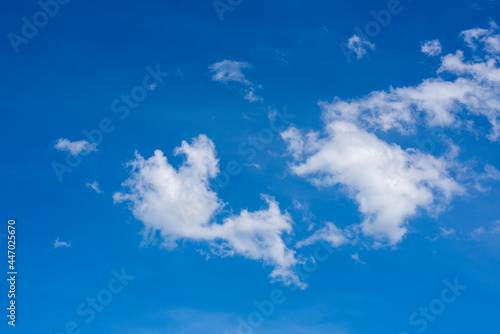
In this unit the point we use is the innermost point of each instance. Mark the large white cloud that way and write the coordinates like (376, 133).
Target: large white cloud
(388, 183)
(179, 204)
(391, 184)
(475, 88)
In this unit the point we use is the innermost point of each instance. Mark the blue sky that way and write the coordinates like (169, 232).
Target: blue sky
(253, 167)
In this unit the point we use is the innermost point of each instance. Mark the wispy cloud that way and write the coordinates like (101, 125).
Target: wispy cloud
(355, 257)
(75, 147)
(359, 45)
(330, 233)
(482, 230)
(58, 243)
(447, 232)
(95, 186)
(228, 71)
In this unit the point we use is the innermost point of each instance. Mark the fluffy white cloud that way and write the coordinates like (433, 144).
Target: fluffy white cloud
(228, 71)
(258, 235)
(431, 48)
(359, 45)
(388, 183)
(391, 184)
(75, 147)
(59, 243)
(488, 39)
(179, 204)
(475, 90)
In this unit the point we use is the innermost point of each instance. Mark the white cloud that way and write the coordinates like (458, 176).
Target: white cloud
(359, 45)
(330, 233)
(250, 96)
(258, 235)
(477, 232)
(489, 38)
(447, 232)
(388, 183)
(228, 71)
(355, 257)
(153, 86)
(391, 184)
(59, 243)
(294, 140)
(180, 205)
(95, 186)
(482, 230)
(76, 147)
(307, 216)
(483, 179)
(431, 48)
(475, 90)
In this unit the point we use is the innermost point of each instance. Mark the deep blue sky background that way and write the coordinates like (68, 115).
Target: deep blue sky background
(64, 80)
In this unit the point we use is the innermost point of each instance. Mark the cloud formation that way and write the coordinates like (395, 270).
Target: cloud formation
(228, 71)
(59, 243)
(94, 186)
(180, 205)
(431, 48)
(391, 184)
(388, 183)
(330, 233)
(439, 102)
(75, 147)
(359, 45)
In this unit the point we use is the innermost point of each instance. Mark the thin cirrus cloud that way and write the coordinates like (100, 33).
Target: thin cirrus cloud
(330, 233)
(75, 147)
(390, 184)
(94, 186)
(359, 45)
(230, 71)
(58, 243)
(179, 205)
